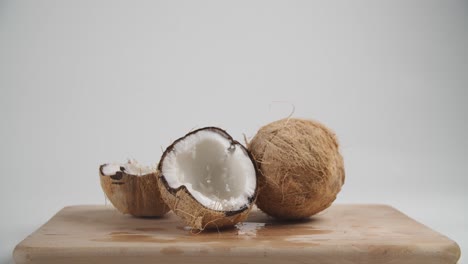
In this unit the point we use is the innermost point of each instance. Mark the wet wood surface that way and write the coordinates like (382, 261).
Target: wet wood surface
(341, 234)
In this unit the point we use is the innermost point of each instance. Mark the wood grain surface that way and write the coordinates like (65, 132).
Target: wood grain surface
(341, 234)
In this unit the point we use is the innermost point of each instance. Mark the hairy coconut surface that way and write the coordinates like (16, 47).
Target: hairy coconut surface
(132, 189)
(301, 168)
(208, 179)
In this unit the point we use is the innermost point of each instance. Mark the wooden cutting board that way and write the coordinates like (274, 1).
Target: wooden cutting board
(341, 234)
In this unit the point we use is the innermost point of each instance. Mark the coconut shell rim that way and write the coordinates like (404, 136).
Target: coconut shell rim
(101, 173)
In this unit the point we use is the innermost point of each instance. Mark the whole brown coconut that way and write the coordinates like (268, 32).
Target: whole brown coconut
(301, 168)
(132, 189)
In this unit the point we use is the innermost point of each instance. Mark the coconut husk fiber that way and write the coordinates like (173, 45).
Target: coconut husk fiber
(301, 168)
(135, 195)
(196, 215)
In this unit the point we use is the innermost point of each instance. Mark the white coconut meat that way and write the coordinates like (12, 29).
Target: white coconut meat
(216, 171)
(132, 167)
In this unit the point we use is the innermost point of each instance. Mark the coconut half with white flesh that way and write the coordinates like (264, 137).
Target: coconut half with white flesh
(208, 179)
(133, 189)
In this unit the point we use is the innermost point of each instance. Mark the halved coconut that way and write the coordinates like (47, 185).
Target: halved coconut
(208, 179)
(132, 189)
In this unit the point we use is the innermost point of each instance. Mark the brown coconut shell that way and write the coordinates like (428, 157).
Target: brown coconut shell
(133, 194)
(194, 214)
(301, 168)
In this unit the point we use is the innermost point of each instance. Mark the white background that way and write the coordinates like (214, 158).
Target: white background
(88, 82)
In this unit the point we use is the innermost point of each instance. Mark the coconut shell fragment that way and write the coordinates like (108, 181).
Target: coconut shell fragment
(130, 193)
(301, 168)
